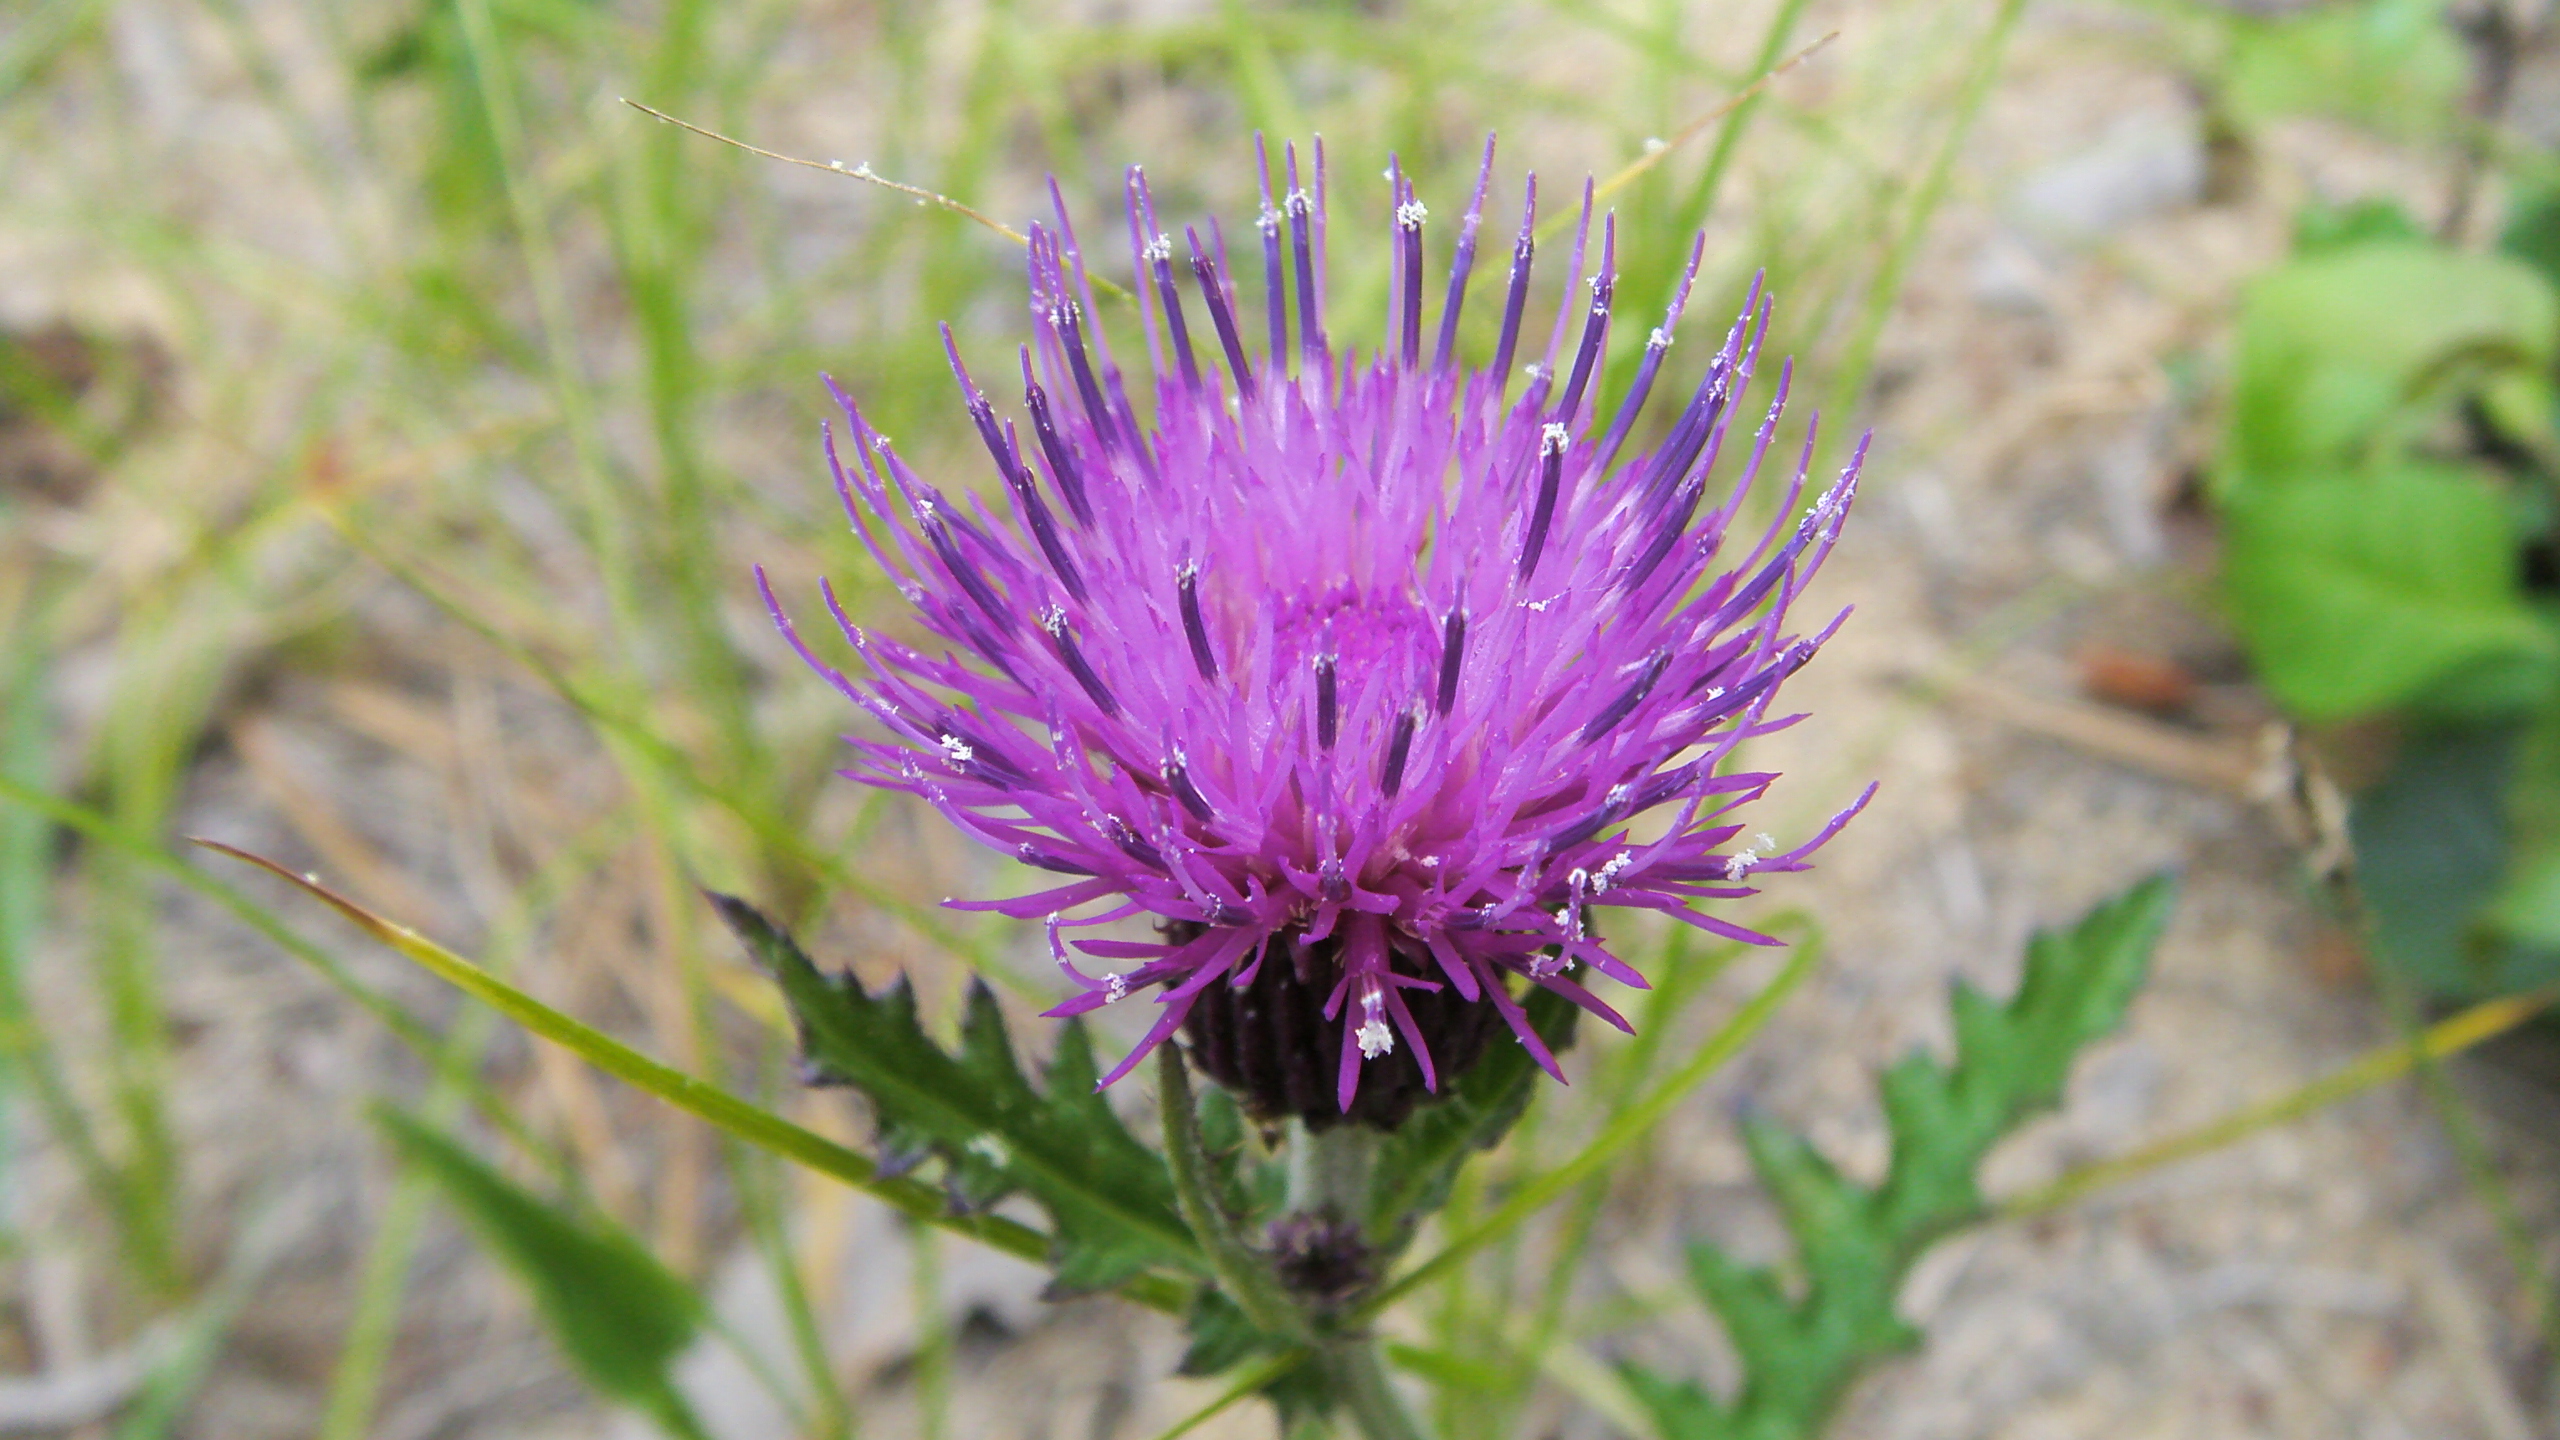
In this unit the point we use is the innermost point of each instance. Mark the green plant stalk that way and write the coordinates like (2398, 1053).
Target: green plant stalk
(1358, 1379)
(1329, 1175)
(1329, 1169)
(151, 727)
(2446, 1037)
(494, 77)
(356, 1381)
(1457, 1319)
(933, 1334)
(1698, 204)
(1244, 1275)
(761, 1206)
(661, 236)
(701, 1098)
(1629, 1126)
(26, 874)
(2477, 1167)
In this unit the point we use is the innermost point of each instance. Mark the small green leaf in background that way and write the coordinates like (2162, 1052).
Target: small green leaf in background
(619, 1317)
(2526, 909)
(2320, 226)
(2356, 592)
(1854, 1245)
(2432, 840)
(2532, 231)
(1109, 1198)
(2391, 65)
(2340, 348)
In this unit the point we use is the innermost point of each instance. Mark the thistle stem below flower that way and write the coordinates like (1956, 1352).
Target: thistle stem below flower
(1358, 1379)
(1329, 1170)
(1328, 1177)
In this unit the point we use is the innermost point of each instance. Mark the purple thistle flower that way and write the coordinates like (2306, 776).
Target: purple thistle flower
(1362, 676)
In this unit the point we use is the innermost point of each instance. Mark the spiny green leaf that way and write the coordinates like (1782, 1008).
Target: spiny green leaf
(1854, 1245)
(1222, 1339)
(1109, 1198)
(619, 1317)
(1419, 1161)
(2392, 65)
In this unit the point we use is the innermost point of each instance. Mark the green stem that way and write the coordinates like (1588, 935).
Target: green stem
(1358, 1379)
(1244, 1275)
(1329, 1169)
(1329, 1172)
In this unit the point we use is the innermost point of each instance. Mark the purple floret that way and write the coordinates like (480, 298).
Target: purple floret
(1361, 676)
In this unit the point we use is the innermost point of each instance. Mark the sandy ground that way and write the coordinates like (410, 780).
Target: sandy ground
(2335, 1278)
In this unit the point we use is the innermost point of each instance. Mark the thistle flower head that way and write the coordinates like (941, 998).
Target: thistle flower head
(1371, 679)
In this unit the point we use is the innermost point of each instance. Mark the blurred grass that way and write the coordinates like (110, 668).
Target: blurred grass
(483, 379)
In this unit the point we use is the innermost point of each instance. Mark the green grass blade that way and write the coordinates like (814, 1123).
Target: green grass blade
(1850, 382)
(2378, 1066)
(356, 1381)
(196, 1340)
(699, 1097)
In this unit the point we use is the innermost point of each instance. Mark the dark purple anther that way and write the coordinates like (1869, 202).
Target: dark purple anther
(1274, 289)
(1654, 347)
(1157, 254)
(1409, 217)
(1667, 529)
(1688, 436)
(1062, 459)
(930, 519)
(982, 414)
(1628, 699)
(1213, 290)
(1187, 581)
(1399, 745)
(1523, 250)
(1177, 778)
(1595, 328)
(1134, 845)
(1301, 210)
(1106, 426)
(1039, 859)
(1551, 445)
(1055, 622)
(1453, 652)
(1325, 713)
(1035, 510)
(1463, 263)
